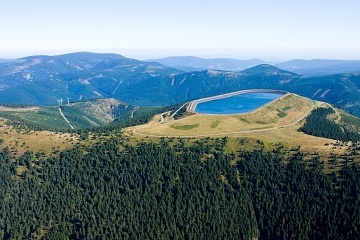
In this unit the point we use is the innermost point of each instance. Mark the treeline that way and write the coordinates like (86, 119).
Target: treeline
(317, 124)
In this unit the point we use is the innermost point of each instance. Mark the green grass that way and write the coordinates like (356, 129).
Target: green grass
(244, 120)
(215, 124)
(286, 108)
(281, 114)
(185, 127)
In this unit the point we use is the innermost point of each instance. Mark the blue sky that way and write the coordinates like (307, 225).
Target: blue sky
(270, 30)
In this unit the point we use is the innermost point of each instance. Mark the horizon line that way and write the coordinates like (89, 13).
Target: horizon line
(273, 59)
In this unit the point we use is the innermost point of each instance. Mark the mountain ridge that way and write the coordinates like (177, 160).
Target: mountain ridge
(191, 63)
(317, 67)
(80, 76)
(312, 67)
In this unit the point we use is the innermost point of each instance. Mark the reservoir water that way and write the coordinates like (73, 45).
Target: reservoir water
(242, 103)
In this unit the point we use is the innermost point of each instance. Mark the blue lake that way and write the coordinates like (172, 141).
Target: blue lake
(242, 103)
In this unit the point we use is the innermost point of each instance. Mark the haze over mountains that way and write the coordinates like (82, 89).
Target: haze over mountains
(2, 60)
(42, 80)
(303, 67)
(188, 63)
(321, 66)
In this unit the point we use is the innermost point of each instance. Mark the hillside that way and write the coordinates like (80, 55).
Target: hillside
(72, 116)
(42, 80)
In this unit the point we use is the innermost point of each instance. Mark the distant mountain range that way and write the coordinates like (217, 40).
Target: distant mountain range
(316, 67)
(5, 60)
(195, 63)
(42, 80)
(321, 67)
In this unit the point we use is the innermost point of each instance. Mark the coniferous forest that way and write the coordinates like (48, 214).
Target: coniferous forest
(318, 124)
(176, 189)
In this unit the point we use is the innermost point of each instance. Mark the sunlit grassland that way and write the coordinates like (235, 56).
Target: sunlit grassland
(19, 141)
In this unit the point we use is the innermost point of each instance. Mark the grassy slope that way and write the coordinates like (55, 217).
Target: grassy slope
(20, 141)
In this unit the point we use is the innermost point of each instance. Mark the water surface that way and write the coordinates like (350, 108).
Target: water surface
(242, 103)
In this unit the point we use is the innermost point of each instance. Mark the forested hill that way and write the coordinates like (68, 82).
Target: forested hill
(345, 129)
(176, 189)
(42, 80)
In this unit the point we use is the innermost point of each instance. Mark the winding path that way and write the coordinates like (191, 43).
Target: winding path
(172, 115)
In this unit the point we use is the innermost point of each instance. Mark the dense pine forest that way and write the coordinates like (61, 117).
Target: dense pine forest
(318, 124)
(176, 189)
